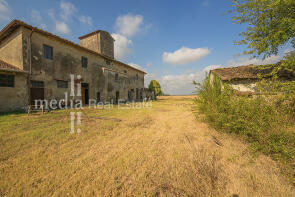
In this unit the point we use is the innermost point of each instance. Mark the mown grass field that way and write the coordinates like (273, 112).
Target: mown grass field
(159, 151)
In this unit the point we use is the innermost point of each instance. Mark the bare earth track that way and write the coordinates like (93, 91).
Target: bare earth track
(160, 151)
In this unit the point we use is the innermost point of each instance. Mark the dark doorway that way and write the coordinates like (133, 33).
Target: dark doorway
(131, 94)
(98, 96)
(36, 91)
(137, 93)
(86, 96)
(85, 93)
(37, 94)
(117, 96)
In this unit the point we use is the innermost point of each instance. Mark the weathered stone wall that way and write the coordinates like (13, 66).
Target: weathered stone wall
(67, 60)
(91, 42)
(242, 85)
(11, 49)
(101, 42)
(14, 98)
(100, 73)
(106, 44)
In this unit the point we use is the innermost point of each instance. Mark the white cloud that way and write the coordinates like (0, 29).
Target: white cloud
(86, 20)
(36, 16)
(128, 25)
(179, 84)
(66, 15)
(122, 45)
(148, 77)
(135, 66)
(5, 11)
(185, 55)
(211, 67)
(67, 10)
(37, 19)
(62, 27)
(183, 83)
(243, 61)
(149, 64)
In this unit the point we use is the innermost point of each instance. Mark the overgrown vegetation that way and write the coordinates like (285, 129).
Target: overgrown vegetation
(155, 87)
(264, 121)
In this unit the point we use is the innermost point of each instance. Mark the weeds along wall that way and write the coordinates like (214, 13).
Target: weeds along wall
(264, 122)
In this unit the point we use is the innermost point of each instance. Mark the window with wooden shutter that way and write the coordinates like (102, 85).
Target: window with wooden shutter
(47, 52)
(62, 84)
(84, 61)
(37, 84)
(6, 80)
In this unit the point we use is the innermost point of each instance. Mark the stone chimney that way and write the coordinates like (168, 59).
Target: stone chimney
(99, 41)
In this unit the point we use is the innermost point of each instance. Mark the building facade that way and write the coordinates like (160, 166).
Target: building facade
(36, 64)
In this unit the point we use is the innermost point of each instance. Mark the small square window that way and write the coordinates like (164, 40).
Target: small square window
(84, 61)
(47, 52)
(136, 76)
(108, 62)
(37, 84)
(6, 80)
(125, 71)
(62, 84)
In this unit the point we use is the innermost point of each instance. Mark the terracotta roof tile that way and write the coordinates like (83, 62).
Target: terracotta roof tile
(248, 72)
(8, 67)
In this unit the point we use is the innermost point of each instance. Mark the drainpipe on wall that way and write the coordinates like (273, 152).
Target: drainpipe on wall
(30, 67)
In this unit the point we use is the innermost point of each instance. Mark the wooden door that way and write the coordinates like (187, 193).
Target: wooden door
(36, 94)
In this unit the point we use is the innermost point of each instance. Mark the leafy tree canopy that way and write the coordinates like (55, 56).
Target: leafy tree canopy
(271, 24)
(156, 87)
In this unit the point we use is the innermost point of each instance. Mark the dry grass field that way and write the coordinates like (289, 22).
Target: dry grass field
(160, 151)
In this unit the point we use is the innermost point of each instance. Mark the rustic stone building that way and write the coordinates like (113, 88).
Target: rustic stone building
(35, 64)
(243, 79)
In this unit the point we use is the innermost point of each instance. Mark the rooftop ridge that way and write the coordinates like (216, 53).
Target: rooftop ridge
(15, 23)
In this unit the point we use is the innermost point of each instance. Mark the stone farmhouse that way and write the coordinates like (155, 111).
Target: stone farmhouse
(243, 79)
(36, 64)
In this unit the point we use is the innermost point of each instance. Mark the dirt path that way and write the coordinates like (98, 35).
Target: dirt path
(158, 151)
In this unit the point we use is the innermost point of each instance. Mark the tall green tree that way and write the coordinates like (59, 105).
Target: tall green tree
(271, 25)
(156, 87)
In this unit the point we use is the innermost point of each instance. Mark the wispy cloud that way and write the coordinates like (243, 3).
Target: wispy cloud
(86, 20)
(137, 66)
(5, 11)
(185, 55)
(67, 10)
(62, 27)
(37, 19)
(183, 83)
(128, 25)
(243, 61)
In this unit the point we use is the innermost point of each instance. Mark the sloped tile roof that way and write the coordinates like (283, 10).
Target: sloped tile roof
(8, 67)
(8, 29)
(249, 72)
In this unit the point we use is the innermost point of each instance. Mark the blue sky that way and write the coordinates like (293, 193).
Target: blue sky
(174, 41)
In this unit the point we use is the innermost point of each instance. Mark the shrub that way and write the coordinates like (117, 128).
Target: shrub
(262, 121)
